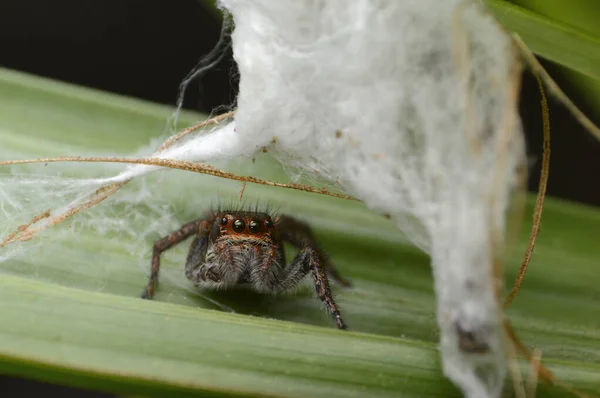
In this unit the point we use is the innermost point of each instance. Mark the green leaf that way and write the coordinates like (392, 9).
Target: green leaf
(71, 314)
(551, 39)
(564, 32)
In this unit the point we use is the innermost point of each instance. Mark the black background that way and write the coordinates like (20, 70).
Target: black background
(144, 48)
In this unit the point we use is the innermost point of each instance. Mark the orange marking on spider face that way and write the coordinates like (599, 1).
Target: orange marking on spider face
(245, 225)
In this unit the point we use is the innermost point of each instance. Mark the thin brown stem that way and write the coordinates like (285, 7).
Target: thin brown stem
(22, 228)
(241, 195)
(181, 165)
(539, 203)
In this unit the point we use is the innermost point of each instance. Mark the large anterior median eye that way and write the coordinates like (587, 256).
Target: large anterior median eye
(239, 225)
(254, 226)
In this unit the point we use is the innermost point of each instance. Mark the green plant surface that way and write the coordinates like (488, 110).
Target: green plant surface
(562, 43)
(564, 32)
(71, 314)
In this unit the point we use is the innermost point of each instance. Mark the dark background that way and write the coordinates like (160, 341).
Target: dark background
(144, 48)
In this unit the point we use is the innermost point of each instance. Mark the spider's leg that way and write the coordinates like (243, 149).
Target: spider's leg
(309, 260)
(163, 244)
(296, 231)
(290, 274)
(197, 252)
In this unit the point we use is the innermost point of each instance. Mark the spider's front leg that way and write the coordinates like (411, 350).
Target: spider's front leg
(296, 232)
(164, 244)
(309, 260)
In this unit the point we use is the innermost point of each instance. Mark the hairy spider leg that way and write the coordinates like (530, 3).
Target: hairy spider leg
(308, 260)
(303, 230)
(197, 252)
(166, 243)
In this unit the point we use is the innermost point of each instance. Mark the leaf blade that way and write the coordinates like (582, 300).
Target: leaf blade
(551, 39)
(393, 295)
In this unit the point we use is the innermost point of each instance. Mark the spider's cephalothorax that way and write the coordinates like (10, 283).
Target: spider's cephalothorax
(246, 247)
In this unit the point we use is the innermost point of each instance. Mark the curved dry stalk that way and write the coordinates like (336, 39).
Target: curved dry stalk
(539, 202)
(539, 371)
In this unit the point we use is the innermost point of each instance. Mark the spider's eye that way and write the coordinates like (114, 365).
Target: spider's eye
(269, 224)
(224, 221)
(239, 225)
(254, 226)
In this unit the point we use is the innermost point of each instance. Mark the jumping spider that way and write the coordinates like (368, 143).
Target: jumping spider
(236, 247)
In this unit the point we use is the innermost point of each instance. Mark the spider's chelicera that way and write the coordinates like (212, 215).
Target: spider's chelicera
(246, 247)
